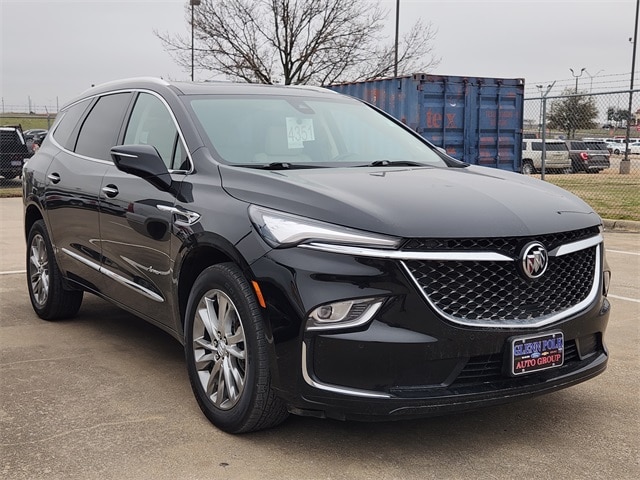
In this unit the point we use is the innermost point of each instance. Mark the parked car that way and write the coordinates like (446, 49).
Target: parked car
(34, 138)
(590, 157)
(634, 148)
(313, 254)
(13, 151)
(39, 133)
(616, 145)
(557, 156)
(600, 153)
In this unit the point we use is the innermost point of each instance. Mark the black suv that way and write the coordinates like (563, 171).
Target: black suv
(313, 255)
(13, 151)
(590, 157)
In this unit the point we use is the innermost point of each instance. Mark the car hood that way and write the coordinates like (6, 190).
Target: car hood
(415, 202)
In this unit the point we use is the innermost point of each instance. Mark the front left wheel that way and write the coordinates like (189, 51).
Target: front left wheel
(227, 353)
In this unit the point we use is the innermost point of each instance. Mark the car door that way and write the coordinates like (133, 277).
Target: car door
(73, 182)
(136, 218)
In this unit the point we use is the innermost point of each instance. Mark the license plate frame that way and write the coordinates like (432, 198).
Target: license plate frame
(535, 353)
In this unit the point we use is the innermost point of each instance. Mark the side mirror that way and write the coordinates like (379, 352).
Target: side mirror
(142, 161)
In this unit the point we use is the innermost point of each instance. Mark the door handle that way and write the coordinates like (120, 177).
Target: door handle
(182, 217)
(110, 191)
(54, 177)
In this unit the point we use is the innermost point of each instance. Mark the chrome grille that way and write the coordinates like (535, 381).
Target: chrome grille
(495, 293)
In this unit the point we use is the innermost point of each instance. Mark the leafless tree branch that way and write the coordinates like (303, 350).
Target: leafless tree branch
(299, 41)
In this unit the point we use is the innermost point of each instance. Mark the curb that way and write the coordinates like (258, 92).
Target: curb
(621, 225)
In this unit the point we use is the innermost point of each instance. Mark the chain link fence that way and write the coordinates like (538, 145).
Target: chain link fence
(600, 135)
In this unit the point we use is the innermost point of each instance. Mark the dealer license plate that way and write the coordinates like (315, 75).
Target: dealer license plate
(536, 352)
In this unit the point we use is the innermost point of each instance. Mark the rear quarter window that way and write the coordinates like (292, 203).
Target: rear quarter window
(100, 130)
(67, 124)
(551, 147)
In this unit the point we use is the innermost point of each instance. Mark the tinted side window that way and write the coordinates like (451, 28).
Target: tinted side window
(67, 124)
(596, 145)
(557, 147)
(151, 124)
(536, 146)
(100, 130)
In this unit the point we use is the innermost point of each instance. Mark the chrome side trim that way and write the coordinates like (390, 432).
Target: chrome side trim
(118, 278)
(335, 388)
(576, 246)
(511, 323)
(81, 259)
(400, 255)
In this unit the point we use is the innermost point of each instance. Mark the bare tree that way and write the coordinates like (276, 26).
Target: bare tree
(317, 42)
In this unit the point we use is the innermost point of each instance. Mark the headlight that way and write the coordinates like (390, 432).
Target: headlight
(281, 230)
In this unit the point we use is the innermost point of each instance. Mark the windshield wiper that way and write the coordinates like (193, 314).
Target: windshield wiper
(278, 165)
(395, 163)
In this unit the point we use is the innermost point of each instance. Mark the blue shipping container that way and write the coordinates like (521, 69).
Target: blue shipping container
(477, 120)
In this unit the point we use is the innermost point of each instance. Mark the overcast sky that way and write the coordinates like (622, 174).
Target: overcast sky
(53, 50)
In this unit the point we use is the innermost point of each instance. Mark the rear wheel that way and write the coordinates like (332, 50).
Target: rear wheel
(50, 298)
(527, 168)
(226, 352)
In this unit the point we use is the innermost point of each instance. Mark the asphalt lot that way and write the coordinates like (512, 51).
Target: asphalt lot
(106, 396)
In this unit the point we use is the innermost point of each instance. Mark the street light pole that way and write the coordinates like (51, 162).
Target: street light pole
(395, 59)
(540, 88)
(192, 3)
(577, 76)
(591, 77)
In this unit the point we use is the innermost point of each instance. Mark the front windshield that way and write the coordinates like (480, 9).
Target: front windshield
(267, 130)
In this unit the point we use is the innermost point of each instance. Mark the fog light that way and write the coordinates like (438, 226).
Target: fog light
(345, 314)
(323, 314)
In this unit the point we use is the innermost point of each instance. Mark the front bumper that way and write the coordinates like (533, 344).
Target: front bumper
(409, 360)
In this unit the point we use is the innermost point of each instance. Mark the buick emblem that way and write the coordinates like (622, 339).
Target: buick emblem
(534, 260)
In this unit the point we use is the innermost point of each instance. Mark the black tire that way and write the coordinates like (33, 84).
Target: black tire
(527, 168)
(228, 362)
(49, 296)
(576, 167)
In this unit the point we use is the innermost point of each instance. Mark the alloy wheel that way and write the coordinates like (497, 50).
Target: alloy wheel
(39, 269)
(219, 347)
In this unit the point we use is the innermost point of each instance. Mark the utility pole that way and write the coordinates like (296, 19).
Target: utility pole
(625, 164)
